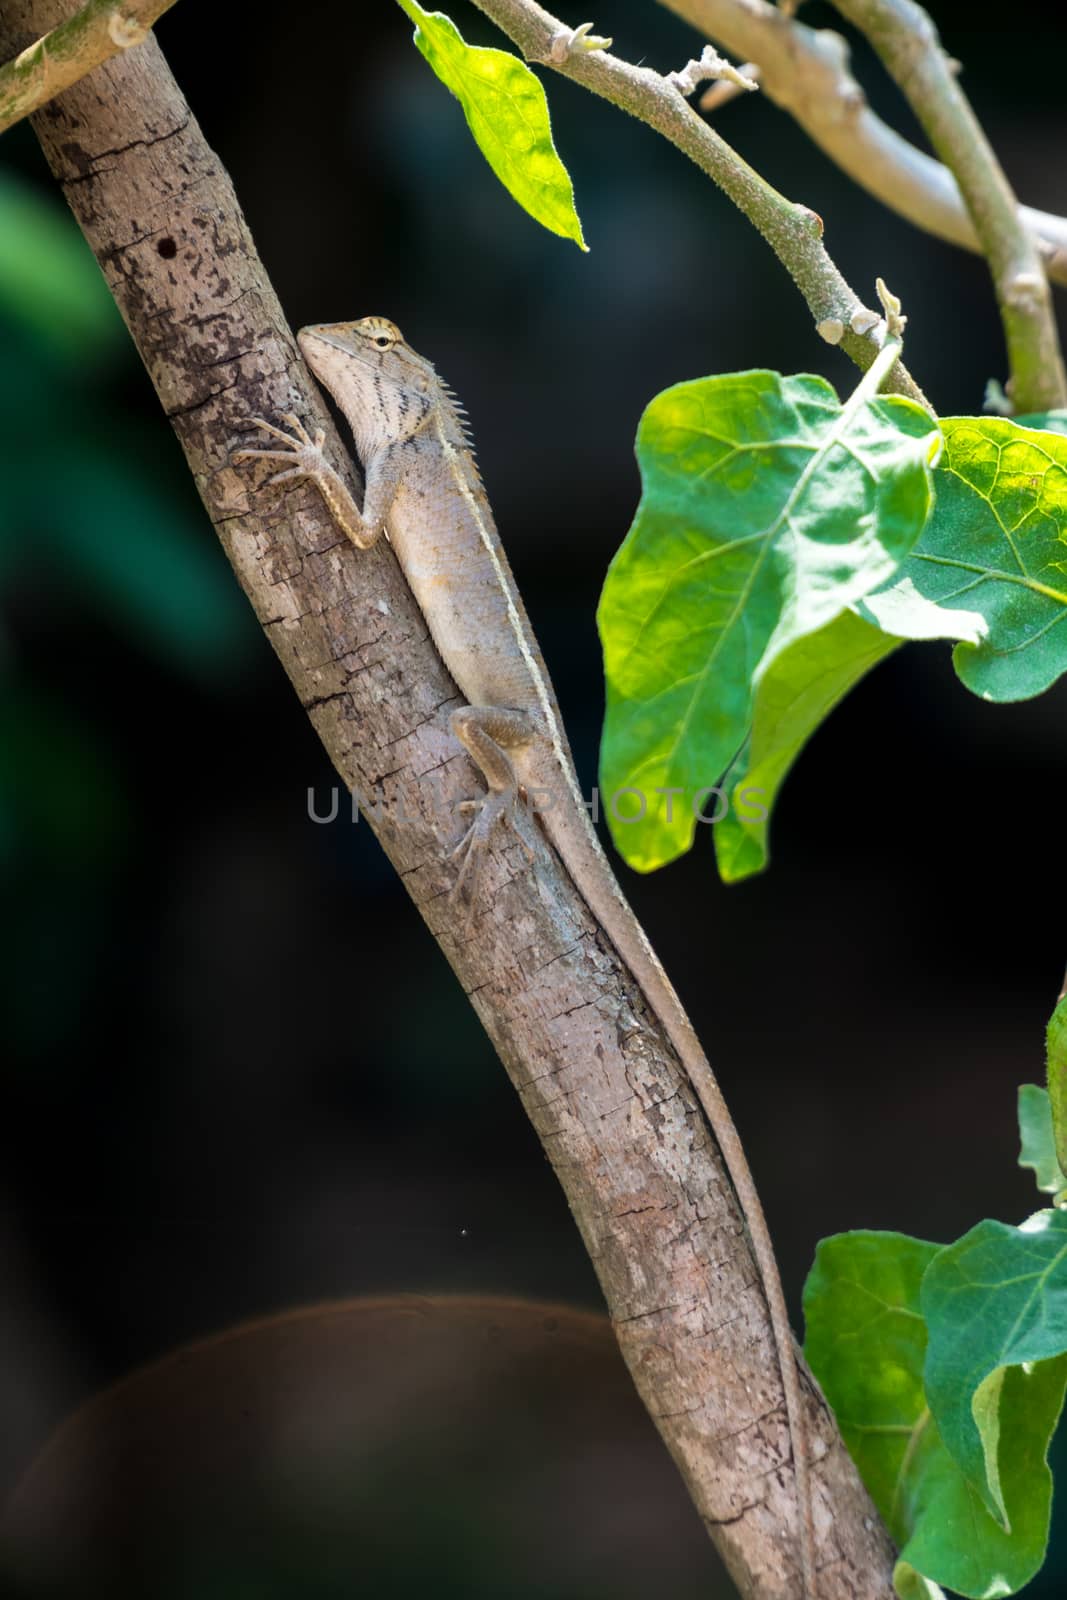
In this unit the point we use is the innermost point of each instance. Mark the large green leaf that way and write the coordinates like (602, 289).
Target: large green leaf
(795, 694)
(995, 1305)
(507, 112)
(767, 509)
(995, 550)
(867, 1344)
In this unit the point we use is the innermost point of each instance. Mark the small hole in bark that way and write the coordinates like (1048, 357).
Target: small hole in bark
(167, 248)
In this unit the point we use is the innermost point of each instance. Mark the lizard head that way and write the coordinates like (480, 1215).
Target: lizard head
(384, 389)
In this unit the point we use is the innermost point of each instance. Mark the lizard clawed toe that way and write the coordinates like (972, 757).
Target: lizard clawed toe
(498, 806)
(302, 456)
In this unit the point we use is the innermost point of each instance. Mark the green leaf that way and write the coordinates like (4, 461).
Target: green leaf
(793, 697)
(1056, 1058)
(767, 509)
(867, 1344)
(995, 1304)
(1037, 1144)
(507, 112)
(993, 559)
(866, 1340)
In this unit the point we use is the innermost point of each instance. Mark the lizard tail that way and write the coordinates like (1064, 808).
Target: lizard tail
(571, 832)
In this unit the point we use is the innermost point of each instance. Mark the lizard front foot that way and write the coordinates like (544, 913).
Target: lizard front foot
(303, 457)
(302, 453)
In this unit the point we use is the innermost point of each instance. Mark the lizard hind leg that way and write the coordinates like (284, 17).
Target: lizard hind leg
(487, 733)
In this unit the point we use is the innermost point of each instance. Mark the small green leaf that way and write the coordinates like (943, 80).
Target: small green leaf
(1056, 1046)
(995, 1304)
(1037, 1145)
(867, 1343)
(993, 559)
(507, 112)
(767, 509)
(794, 696)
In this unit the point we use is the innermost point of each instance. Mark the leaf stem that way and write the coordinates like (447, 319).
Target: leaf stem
(101, 29)
(907, 41)
(793, 231)
(879, 369)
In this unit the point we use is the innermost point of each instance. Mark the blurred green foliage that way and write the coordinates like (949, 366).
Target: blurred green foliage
(98, 531)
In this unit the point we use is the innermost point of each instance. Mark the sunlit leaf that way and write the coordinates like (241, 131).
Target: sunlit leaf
(995, 551)
(795, 695)
(768, 508)
(507, 112)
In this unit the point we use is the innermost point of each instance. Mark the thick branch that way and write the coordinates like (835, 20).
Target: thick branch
(805, 71)
(595, 1075)
(907, 42)
(100, 30)
(793, 232)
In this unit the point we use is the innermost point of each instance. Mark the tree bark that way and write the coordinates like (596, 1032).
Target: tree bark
(602, 1087)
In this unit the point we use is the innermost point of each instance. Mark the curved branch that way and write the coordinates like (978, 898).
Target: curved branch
(907, 41)
(793, 232)
(593, 1070)
(806, 72)
(101, 29)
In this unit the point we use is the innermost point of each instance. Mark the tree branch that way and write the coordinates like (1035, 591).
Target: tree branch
(601, 1085)
(805, 71)
(907, 41)
(101, 29)
(793, 232)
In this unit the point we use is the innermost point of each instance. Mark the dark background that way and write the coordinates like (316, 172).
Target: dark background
(184, 1140)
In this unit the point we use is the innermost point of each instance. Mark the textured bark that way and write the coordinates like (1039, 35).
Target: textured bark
(595, 1075)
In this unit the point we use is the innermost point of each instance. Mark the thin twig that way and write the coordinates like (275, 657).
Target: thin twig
(806, 72)
(793, 232)
(907, 41)
(101, 29)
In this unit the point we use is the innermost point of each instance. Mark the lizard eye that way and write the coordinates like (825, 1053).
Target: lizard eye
(383, 341)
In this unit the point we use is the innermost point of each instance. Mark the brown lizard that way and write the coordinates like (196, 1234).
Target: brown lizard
(423, 489)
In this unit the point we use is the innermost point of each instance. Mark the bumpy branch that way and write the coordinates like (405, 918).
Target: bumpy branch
(908, 44)
(793, 232)
(805, 71)
(101, 29)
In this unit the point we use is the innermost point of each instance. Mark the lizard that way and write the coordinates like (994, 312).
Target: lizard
(422, 488)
